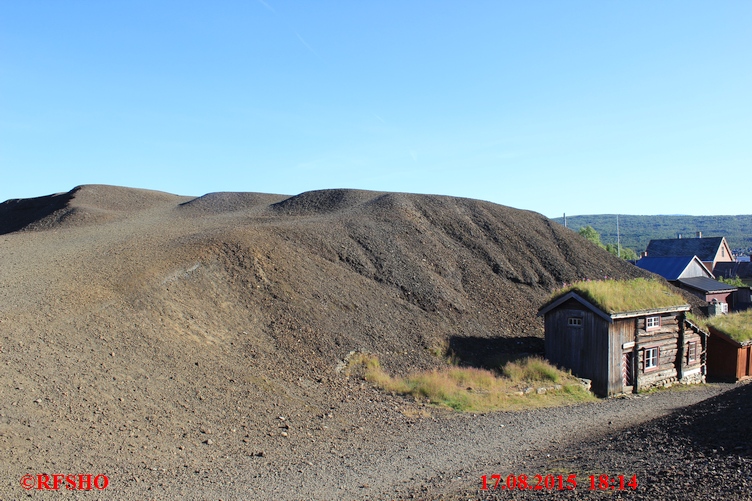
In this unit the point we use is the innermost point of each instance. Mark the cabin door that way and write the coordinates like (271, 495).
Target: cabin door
(627, 369)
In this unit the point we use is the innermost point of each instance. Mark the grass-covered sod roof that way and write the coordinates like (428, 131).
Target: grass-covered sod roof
(619, 296)
(737, 326)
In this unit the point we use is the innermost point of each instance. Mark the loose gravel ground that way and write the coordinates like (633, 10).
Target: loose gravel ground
(445, 455)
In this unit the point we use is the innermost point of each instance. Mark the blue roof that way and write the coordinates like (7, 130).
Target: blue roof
(670, 268)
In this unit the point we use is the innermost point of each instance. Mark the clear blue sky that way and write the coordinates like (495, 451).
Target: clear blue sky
(553, 106)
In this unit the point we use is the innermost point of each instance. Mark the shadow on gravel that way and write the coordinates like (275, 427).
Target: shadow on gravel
(722, 424)
(491, 353)
(16, 214)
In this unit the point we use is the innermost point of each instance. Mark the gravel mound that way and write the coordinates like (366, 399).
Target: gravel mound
(220, 202)
(162, 344)
(83, 205)
(16, 214)
(322, 202)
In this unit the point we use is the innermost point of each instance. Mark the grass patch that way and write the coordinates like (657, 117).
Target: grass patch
(737, 326)
(477, 390)
(615, 296)
(532, 370)
(701, 322)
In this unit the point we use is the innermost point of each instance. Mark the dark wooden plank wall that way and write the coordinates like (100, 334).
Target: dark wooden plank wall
(583, 349)
(621, 331)
(722, 358)
(743, 362)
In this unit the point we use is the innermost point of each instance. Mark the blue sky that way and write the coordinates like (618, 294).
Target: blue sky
(552, 106)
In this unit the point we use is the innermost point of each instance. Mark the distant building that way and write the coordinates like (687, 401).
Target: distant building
(741, 269)
(720, 296)
(674, 268)
(711, 251)
(692, 264)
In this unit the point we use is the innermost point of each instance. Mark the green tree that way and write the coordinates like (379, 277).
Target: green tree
(734, 282)
(626, 253)
(592, 235)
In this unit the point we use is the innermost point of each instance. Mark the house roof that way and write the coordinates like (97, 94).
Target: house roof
(706, 285)
(619, 298)
(741, 269)
(670, 268)
(704, 248)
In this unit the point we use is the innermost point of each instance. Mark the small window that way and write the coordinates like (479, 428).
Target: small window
(651, 358)
(652, 323)
(691, 351)
(574, 322)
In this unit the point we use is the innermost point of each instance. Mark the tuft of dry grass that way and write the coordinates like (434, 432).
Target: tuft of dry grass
(478, 390)
(532, 369)
(614, 296)
(737, 326)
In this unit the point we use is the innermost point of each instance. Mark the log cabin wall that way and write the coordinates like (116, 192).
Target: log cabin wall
(695, 351)
(666, 339)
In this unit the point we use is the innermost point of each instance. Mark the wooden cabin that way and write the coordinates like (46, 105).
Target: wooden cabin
(730, 346)
(728, 359)
(623, 351)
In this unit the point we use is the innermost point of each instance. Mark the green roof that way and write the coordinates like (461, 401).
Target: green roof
(620, 296)
(737, 326)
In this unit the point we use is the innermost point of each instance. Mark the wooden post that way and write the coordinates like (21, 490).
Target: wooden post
(680, 350)
(636, 358)
(703, 353)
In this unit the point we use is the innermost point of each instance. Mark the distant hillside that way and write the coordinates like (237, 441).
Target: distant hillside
(637, 231)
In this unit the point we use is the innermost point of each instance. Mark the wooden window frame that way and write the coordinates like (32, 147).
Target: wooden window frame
(574, 322)
(691, 352)
(652, 327)
(657, 358)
